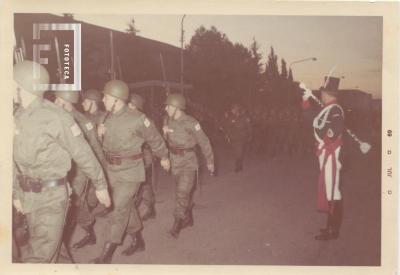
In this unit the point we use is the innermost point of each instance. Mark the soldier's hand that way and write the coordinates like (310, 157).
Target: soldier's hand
(18, 206)
(101, 129)
(165, 129)
(211, 168)
(104, 197)
(166, 164)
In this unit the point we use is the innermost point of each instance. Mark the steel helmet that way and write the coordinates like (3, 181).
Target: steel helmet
(70, 96)
(176, 100)
(23, 75)
(137, 101)
(117, 89)
(92, 94)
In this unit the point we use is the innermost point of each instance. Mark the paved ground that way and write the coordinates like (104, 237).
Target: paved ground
(263, 216)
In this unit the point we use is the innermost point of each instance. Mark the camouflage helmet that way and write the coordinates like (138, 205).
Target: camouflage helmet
(92, 94)
(137, 101)
(23, 75)
(117, 89)
(176, 100)
(70, 96)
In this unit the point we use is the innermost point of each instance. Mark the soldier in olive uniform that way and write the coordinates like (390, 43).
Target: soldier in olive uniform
(80, 182)
(45, 139)
(123, 134)
(91, 105)
(239, 131)
(145, 197)
(183, 133)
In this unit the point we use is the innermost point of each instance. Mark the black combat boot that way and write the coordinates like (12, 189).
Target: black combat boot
(88, 239)
(176, 228)
(188, 220)
(106, 254)
(150, 213)
(136, 245)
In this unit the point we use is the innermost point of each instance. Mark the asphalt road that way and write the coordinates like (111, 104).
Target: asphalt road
(265, 215)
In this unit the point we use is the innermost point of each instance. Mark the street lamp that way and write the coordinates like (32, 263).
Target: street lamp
(182, 40)
(303, 60)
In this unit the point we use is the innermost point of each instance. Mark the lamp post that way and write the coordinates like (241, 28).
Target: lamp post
(299, 61)
(303, 60)
(182, 40)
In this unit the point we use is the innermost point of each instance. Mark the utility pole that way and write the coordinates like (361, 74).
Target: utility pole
(182, 40)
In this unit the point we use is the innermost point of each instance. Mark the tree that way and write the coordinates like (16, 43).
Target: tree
(132, 28)
(290, 77)
(221, 71)
(284, 72)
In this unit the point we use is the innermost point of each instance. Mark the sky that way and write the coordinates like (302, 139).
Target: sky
(351, 44)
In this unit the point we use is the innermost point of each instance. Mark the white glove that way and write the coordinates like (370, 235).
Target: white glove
(104, 197)
(166, 164)
(211, 168)
(18, 206)
(307, 94)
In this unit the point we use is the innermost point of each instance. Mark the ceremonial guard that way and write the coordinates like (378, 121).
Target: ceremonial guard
(123, 133)
(328, 127)
(46, 138)
(183, 133)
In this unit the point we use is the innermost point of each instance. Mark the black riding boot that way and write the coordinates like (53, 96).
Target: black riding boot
(176, 228)
(106, 254)
(88, 239)
(333, 224)
(136, 245)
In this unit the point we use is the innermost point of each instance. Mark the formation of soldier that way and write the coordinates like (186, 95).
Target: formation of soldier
(79, 165)
(112, 154)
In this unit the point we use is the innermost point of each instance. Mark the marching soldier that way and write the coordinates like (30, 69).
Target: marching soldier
(328, 127)
(183, 133)
(91, 105)
(145, 196)
(80, 182)
(45, 140)
(92, 99)
(239, 131)
(123, 134)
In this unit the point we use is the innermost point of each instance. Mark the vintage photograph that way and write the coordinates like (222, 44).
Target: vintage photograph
(197, 139)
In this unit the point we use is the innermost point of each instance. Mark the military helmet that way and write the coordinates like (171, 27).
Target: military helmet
(137, 101)
(23, 75)
(70, 96)
(117, 89)
(176, 100)
(92, 94)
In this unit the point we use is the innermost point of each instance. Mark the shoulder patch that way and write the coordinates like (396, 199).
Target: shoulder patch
(76, 131)
(197, 127)
(146, 123)
(89, 126)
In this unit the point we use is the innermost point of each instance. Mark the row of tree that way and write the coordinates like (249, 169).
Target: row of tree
(224, 73)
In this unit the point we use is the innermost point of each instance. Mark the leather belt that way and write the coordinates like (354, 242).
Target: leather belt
(117, 159)
(181, 151)
(37, 185)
